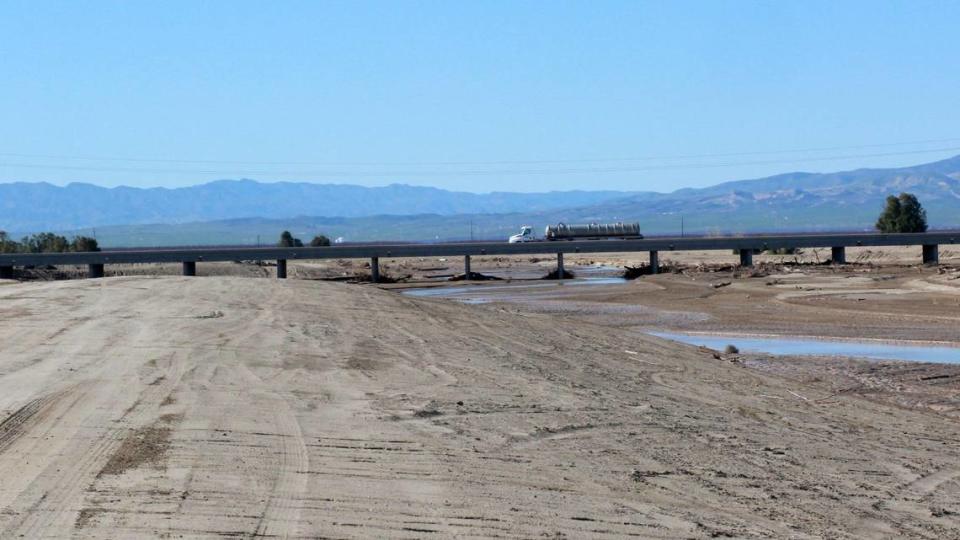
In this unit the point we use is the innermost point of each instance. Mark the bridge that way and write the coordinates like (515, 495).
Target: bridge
(929, 243)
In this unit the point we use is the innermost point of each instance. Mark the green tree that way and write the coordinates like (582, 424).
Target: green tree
(45, 243)
(7, 245)
(84, 243)
(903, 214)
(286, 239)
(913, 218)
(320, 241)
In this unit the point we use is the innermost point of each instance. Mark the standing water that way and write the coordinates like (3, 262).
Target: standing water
(816, 347)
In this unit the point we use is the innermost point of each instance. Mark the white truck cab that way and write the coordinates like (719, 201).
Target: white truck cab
(525, 235)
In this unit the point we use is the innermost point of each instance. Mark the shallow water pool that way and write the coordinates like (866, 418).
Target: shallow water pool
(817, 347)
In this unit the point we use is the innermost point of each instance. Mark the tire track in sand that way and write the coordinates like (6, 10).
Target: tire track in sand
(64, 488)
(281, 514)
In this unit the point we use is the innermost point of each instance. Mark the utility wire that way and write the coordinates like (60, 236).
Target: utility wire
(479, 163)
(471, 172)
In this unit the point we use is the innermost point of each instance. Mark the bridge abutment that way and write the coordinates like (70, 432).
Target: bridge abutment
(561, 272)
(281, 269)
(654, 262)
(466, 267)
(6, 272)
(931, 254)
(746, 257)
(95, 270)
(375, 269)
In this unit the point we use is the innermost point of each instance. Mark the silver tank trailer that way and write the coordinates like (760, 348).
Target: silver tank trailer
(563, 231)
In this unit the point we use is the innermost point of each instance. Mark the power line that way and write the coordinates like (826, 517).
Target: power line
(472, 172)
(481, 163)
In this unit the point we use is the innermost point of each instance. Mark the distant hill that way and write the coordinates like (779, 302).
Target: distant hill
(42, 206)
(849, 200)
(238, 212)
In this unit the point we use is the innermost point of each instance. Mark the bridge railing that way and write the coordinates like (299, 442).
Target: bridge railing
(746, 245)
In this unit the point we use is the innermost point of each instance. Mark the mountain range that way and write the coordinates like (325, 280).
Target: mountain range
(240, 212)
(43, 206)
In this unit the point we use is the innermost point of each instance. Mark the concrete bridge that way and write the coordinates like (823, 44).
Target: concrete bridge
(928, 243)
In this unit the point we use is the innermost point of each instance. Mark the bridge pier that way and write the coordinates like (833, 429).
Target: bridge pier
(95, 270)
(6, 272)
(189, 268)
(746, 257)
(654, 262)
(931, 254)
(561, 273)
(466, 267)
(281, 269)
(375, 269)
(838, 255)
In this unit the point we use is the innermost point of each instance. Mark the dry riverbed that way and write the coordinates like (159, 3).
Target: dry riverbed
(223, 406)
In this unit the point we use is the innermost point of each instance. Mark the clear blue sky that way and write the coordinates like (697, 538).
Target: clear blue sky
(474, 96)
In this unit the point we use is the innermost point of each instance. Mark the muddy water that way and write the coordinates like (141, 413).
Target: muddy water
(818, 347)
(549, 293)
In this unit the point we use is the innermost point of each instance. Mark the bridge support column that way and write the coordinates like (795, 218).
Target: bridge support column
(375, 269)
(746, 257)
(654, 262)
(189, 268)
(931, 254)
(95, 270)
(561, 272)
(6, 272)
(838, 255)
(466, 268)
(281, 269)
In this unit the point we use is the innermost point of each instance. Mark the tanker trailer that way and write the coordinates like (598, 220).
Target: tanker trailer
(593, 231)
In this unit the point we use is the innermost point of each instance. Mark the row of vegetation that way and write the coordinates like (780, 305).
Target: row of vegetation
(47, 243)
(54, 243)
(287, 240)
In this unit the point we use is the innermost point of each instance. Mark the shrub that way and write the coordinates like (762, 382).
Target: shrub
(731, 349)
(287, 240)
(320, 241)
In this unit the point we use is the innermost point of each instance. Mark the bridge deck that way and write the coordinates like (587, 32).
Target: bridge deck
(482, 248)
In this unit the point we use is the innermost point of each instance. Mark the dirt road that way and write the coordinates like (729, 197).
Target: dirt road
(234, 407)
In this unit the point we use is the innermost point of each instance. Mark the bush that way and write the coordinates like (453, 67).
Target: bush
(731, 349)
(287, 240)
(320, 241)
(903, 214)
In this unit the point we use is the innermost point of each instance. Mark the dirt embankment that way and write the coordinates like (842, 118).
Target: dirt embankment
(317, 409)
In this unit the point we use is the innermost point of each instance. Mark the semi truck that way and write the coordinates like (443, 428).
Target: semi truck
(588, 231)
